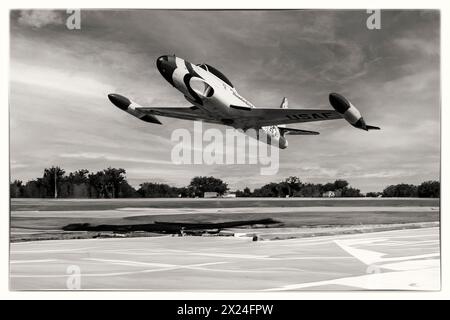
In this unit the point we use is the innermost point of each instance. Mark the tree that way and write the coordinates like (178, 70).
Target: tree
(200, 185)
(247, 192)
(373, 194)
(340, 184)
(16, 189)
(157, 190)
(79, 176)
(429, 189)
(310, 190)
(268, 190)
(283, 189)
(351, 192)
(294, 185)
(76, 184)
(112, 179)
(35, 189)
(106, 183)
(97, 185)
(127, 191)
(52, 179)
(400, 190)
(328, 187)
(183, 192)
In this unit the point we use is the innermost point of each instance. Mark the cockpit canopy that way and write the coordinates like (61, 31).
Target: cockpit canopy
(215, 72)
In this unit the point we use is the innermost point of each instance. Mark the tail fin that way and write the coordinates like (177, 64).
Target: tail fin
(284, 103)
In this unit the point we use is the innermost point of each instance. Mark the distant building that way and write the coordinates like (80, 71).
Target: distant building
(229, 195)
(329, 194)
(210, 195)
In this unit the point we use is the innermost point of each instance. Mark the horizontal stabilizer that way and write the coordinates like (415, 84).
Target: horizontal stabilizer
(150, 118)
(292, 131)
(372, 127)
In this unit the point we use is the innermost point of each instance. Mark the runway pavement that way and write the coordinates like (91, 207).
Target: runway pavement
(391, 260)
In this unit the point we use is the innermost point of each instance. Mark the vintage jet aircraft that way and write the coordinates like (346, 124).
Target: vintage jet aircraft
(215, 100)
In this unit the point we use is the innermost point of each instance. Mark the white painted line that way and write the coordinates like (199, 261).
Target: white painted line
(132, 263)
(52, 250)
(32, 261)
(427, 279)
(112, 274)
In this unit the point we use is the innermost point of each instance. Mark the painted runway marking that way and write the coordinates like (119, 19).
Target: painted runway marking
(229, 255)
(54, 250)
(112, 274)
(32, 261)
(150, 252)
(425, 280)
(411, 271)
(132, 263)
(370, 257)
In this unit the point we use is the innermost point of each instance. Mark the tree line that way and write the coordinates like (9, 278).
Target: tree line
(112, 183)
(107, 183)
(294, 187)
(55, 183)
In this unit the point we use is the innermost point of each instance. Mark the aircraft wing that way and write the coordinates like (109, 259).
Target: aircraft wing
(245, 117)
(185, 113)
(258, 117)
(254, 118)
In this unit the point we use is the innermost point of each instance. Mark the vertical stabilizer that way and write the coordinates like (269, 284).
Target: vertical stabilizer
(283, 105)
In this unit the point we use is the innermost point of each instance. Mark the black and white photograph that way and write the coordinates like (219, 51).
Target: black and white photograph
(230, 151)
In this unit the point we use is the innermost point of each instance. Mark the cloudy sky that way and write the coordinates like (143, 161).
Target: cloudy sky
(60, 78)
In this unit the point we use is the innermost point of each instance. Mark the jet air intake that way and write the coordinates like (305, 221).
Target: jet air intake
(349, 112)
(129, 106)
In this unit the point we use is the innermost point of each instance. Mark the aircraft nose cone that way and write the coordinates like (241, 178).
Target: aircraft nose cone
(339, 103)
(166, 66)
(119, 101)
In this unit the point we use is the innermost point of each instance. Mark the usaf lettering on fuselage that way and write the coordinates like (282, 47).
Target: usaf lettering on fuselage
(309, 116)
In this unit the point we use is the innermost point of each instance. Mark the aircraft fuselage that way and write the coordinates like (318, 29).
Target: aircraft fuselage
(209, 90)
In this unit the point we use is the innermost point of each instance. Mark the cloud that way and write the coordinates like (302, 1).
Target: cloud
(63, 80)
(103, 156)
(39, 18)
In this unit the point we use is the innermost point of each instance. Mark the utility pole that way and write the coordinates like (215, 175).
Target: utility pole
(56, 188)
